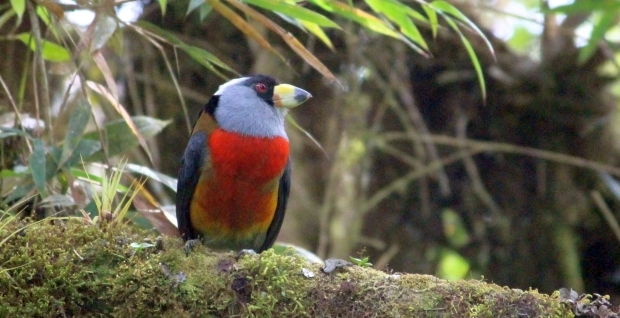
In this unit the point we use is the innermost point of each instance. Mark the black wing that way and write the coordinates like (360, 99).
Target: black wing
(189, 173)
(284, 189)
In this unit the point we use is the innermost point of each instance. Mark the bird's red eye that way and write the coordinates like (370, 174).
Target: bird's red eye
(261, 88)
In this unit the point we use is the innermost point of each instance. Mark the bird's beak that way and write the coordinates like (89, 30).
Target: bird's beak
(289, 96)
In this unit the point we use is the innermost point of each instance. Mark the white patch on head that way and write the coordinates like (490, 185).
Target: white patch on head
(240, 110)
(223, 87)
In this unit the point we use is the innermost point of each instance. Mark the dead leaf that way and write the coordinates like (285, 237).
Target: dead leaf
(154, 213)
(242, 25)
(288, 38)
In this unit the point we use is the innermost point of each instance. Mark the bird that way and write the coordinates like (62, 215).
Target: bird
(235, 175)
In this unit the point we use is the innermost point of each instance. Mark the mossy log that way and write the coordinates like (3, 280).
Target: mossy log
(69, 269)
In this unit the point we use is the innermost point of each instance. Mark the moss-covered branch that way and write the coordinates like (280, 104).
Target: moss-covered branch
(70, 269)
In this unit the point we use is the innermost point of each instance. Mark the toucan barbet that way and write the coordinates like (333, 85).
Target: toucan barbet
(234, 180)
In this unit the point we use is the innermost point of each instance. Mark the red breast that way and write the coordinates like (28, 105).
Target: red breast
(238, 194)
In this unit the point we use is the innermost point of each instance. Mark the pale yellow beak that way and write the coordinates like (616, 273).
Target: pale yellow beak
(289, 96)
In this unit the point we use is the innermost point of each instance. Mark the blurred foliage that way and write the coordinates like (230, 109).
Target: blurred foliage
(84, 54)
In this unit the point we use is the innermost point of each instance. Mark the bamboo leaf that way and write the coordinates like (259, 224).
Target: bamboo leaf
(290, 40)
(82, 152)
(432, 19)
(446, 7)
(156, 215)
(51, 51)
(45, 16)
(472, 56)
(19, 6)
(107, 74)
(292, 121)
(205, 9)
(294, 11)
(164, 179)
(37, 166)
(200, 55)
(318, 32)
(242, 25)
(397, 13)
(301, 50)
(163, 4)
(105, 27)
(193, 5)
(75, 129)
(606, 21)
(363, 18)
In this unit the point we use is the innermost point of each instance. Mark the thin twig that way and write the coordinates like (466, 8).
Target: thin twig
(406, 97)
(607, 213)
(42, 76)
(499, 147)
(385, 258)
(474, 174)
(17, 114)
(403, 181)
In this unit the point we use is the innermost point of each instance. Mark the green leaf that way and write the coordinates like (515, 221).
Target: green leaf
(454, 228)
(58, 200)
(397, 13)
(318, 32)
(45, 16)
(606, 21)
(200, 55)
(6, 173)
(205, 9)
(361, 17)
(453, 11)
(19, 192)
(37, 166)
(362, 262)
(452, 266)
(140, 246)
(19, 6)
(472, 56)
(586, 6)
(75, 129)
(82, 152)
(294, 11)
(105, 27)
(193, 4)
(432, 19)
(166, 180)
(9, 132)
(51, 51)
(119, 138)
(163, 4)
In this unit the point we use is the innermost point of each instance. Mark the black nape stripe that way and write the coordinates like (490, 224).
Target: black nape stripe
(212, 105)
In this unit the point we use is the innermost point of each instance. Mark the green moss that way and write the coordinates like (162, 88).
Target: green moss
(71, 269)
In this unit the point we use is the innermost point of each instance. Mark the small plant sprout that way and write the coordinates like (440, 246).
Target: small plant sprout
(362, 262)
(140, 246)
(111, 210)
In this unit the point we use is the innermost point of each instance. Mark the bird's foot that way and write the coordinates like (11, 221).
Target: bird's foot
(189, 245)
(245, 252)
